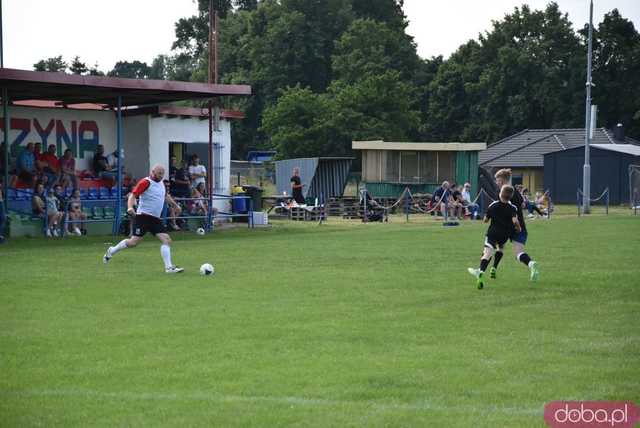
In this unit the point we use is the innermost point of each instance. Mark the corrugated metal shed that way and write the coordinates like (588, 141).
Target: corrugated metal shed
(326, 176)
(527, 148)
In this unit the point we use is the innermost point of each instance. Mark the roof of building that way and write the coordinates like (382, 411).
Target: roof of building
(417, 147)
(527, 148)
(168, 110)
(76, 89)
(630, 149)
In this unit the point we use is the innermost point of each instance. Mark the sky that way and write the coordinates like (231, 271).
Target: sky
(105, 32)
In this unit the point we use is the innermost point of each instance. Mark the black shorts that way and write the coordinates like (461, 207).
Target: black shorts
(495, 241)
(143, 223)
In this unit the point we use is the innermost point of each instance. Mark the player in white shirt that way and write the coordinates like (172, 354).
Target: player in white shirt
(151, 195)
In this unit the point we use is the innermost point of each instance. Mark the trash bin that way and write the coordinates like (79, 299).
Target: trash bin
(239, 205)
(256, 196)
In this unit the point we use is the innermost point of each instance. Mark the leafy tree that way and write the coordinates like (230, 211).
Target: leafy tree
(54, 64)
(77, 66)
(95, 71)
(158, 69)
(368, 47)
(298, 123)
(616, 72)
(377, 107)
(131, 70)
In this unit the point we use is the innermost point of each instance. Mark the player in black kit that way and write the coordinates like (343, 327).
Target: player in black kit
(518, 240)
(504, 225)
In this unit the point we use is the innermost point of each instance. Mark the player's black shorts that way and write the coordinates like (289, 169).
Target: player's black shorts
(494, 241)
(143, 223)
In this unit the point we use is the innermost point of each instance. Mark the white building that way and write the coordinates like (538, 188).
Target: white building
(150, 135)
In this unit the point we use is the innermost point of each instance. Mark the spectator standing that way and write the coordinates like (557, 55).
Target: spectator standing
(296, 187)
(179, 177)
(68, 170)
(26, 164)
(197, 172)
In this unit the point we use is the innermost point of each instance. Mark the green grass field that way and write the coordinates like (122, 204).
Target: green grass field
(344, 324)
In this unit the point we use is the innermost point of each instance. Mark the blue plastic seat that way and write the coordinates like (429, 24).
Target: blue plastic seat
(104, 193)
(93, 193)
(83, 194)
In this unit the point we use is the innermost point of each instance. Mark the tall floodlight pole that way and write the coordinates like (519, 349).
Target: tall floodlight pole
(586, 173)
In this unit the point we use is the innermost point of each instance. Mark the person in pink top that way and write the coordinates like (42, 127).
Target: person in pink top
(68, 170)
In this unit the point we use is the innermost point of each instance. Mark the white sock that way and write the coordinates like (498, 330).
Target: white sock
(121, 246)
(531, 263)
(165, 252)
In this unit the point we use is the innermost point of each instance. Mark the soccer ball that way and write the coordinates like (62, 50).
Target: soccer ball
(206, 269)
(200, 231)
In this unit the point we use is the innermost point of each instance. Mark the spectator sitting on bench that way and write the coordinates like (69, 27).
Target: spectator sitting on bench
(2, 217)
(50, 165)
(173, 208)
(26, 164)
(38, 201)
(440, 197)
(75, 213)
(54, 216)
(101, 166)
(198, 207)
(375, 211)
(68, 170)
(469, 205)
(456, 204)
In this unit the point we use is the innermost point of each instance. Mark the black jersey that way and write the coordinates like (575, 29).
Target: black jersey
(501, 215)
(517, 200)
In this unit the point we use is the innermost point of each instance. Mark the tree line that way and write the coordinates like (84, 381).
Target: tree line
(327, 72)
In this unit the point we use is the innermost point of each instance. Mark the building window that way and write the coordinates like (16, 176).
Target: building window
(409, 167)
(391, 167)
(446, 166)
(372, 165)
(429, 167)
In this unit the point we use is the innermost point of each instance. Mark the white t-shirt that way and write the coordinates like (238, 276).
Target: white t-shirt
(197, 169)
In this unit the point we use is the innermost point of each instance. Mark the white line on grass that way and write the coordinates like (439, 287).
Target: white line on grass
(302, 401)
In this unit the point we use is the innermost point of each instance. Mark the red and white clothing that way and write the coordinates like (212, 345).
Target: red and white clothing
(151, 196)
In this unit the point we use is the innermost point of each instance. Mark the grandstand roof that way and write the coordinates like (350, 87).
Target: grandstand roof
(76, 89)
(527, 148)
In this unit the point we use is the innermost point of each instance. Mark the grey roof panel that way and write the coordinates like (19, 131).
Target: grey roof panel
(526, 148)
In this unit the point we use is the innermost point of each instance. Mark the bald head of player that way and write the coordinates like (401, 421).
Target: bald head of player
(157, 173)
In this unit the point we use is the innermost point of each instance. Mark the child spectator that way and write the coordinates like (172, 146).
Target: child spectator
(75, 213)
(54, 215)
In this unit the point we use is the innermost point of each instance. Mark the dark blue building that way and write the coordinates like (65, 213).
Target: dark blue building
(609, 169)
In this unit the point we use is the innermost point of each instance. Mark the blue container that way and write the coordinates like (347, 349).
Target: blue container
(240, 204)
